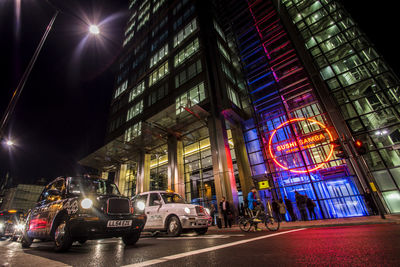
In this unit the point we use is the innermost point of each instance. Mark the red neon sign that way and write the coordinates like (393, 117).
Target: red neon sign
(305, 143)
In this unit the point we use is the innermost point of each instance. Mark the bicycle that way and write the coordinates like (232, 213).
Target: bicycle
(245, 223)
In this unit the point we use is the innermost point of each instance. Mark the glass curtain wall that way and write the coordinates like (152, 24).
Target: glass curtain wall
(130, 180)
(363, 86)
(291, 130)
(159, 169)
(199, 179)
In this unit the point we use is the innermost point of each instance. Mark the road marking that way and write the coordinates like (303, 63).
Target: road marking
(197, 237)
(195, 252)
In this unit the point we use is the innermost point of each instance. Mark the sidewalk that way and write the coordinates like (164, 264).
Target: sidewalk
(326, 223)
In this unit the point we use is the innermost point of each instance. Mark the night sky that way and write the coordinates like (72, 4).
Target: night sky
(62, 113)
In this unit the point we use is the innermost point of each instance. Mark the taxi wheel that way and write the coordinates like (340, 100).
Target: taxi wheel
(174, 227)
(62, 237)
(131, 239)
(82, 241)
(201, 231)
(26, 241)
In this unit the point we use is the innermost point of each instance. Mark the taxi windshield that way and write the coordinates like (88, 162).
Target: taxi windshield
(172, 198)
(78, 185)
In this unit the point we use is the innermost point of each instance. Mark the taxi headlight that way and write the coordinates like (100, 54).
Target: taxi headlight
(1, 226)
(187, 210)
(140, 205)
(86, 203)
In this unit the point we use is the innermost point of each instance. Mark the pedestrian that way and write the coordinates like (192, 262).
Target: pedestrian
(226, 212)
(370, 202)
(282, 210)
(311, 208)
(275, 209)
(301, 205)
(212, 214)
(289, 207)
(242, 212)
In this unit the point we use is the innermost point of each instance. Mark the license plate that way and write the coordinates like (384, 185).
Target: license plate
(119, 223)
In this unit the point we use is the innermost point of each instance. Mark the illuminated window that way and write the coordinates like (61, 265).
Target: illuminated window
(186, 52)
(223, 51)
(234, 96)
(133, 131)
(157, 4)
(159, 55)
(188, 73)
(134, 110)
(159, 73)
(190, 98)
(136, 91)
(185, 32)
(121, 89)
(219, 30)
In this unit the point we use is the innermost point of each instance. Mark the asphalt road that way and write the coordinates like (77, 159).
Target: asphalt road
(362, 245)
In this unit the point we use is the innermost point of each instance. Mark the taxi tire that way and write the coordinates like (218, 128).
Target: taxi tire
(66, 241)
(201, 231)
(178, 230)
(131, 239)
(26, 241)
(82, 241)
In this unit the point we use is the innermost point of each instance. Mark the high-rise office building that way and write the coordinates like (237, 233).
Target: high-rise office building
(212, 97)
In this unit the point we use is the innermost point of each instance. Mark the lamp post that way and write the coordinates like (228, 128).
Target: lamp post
(93, 29)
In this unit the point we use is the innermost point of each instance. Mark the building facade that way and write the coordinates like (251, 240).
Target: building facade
(212, 97)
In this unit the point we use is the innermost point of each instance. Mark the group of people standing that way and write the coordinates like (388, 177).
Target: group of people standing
(303, 203)
(279, 208)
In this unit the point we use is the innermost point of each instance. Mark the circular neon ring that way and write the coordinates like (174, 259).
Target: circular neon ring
(300, 119)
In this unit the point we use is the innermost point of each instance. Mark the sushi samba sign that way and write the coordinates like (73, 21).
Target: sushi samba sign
(290, 153)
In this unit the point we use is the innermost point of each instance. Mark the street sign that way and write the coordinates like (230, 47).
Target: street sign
(263, 185)
(373, 186)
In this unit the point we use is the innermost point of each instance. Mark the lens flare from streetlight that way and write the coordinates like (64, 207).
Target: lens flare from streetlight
(9, 143)
(94, 29)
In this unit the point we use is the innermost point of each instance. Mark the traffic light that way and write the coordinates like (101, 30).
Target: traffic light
(360, 147)
(340, 152)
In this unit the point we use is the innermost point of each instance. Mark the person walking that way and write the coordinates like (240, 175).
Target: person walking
(212, 214)
(289, 207)
(301, 205)
(311, 208)
(226, 212)
(275, 209)
(282, 210)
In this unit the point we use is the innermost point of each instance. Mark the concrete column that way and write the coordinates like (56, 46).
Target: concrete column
(242, 160)
(143, 173)
(176, 165)
(224, 177)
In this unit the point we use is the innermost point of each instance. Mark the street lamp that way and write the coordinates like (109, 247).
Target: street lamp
(94, 29)
(9, 143)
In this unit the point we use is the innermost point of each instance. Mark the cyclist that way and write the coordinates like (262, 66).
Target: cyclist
(254, 204)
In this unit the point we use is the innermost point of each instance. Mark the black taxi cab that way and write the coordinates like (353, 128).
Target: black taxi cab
(81, 208)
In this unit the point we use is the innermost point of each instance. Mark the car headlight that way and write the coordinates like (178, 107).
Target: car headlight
(140, 205)
(1, 226)
(187, 210)
(19, 227)
(86, 203)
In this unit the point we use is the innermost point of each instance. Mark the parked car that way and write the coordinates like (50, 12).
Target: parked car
(167, 211)
(81, 208)
(11, 224)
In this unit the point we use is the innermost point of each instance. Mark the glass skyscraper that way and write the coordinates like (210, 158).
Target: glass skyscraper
(212, 97)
